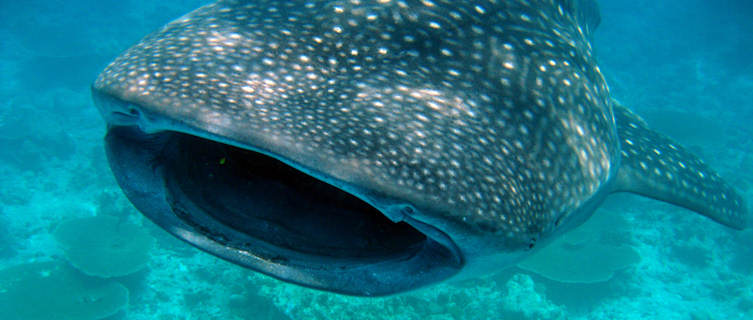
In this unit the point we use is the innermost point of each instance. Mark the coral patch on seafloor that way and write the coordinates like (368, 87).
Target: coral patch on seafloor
(523, 301)
(104, 246)
(53, 290)
(252, 305)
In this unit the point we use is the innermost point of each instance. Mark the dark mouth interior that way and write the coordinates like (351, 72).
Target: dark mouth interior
(294, 215)
(260, 213)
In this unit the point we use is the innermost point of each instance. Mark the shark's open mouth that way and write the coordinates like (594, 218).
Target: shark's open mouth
(257, 211)
(260, 196)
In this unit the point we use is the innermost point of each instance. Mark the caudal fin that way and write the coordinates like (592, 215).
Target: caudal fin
(657, 167)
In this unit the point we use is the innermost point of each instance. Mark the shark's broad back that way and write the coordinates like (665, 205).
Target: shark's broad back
(371, 147)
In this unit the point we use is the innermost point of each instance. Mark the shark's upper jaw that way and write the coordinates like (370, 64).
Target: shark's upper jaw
(259, 212)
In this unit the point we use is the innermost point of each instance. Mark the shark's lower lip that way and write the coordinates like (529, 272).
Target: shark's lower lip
(256, 211)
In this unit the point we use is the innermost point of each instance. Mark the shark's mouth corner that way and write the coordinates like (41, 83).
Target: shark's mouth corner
(256, 211)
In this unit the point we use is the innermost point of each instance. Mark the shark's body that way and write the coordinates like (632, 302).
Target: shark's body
(372, 147)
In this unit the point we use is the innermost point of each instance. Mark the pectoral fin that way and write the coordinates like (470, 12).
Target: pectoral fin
(655, 166)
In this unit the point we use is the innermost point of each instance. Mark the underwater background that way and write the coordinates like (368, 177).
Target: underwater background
(72, 246)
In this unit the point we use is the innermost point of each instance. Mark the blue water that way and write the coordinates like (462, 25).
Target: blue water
(685, 65)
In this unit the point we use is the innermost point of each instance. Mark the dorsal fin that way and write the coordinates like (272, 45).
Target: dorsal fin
(587, 14)
(655, 166)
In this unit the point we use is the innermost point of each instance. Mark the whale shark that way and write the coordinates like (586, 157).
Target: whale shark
(371, 147)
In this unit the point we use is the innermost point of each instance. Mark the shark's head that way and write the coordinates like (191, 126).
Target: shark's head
(363, 147)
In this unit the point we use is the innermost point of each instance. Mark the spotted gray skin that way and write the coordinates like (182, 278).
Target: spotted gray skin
(461, 135)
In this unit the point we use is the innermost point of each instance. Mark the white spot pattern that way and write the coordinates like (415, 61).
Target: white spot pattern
(492, 113)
